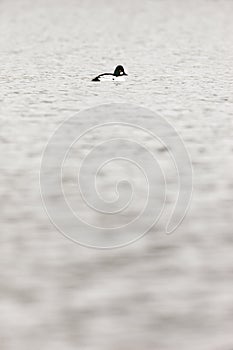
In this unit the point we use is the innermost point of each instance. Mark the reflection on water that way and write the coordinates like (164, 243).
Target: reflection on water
(162, 292)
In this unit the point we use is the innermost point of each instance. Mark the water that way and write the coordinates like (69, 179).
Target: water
(163, 292)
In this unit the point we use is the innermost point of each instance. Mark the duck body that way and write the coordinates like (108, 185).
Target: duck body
(118, 75)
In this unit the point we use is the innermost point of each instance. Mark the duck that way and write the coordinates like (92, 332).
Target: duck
(118, 75)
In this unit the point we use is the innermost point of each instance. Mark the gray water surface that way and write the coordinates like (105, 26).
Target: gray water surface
(163, 292)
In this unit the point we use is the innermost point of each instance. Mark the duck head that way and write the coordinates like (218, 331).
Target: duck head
(119, 71)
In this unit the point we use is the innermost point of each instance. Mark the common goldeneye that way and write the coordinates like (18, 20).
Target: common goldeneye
(118, 75)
